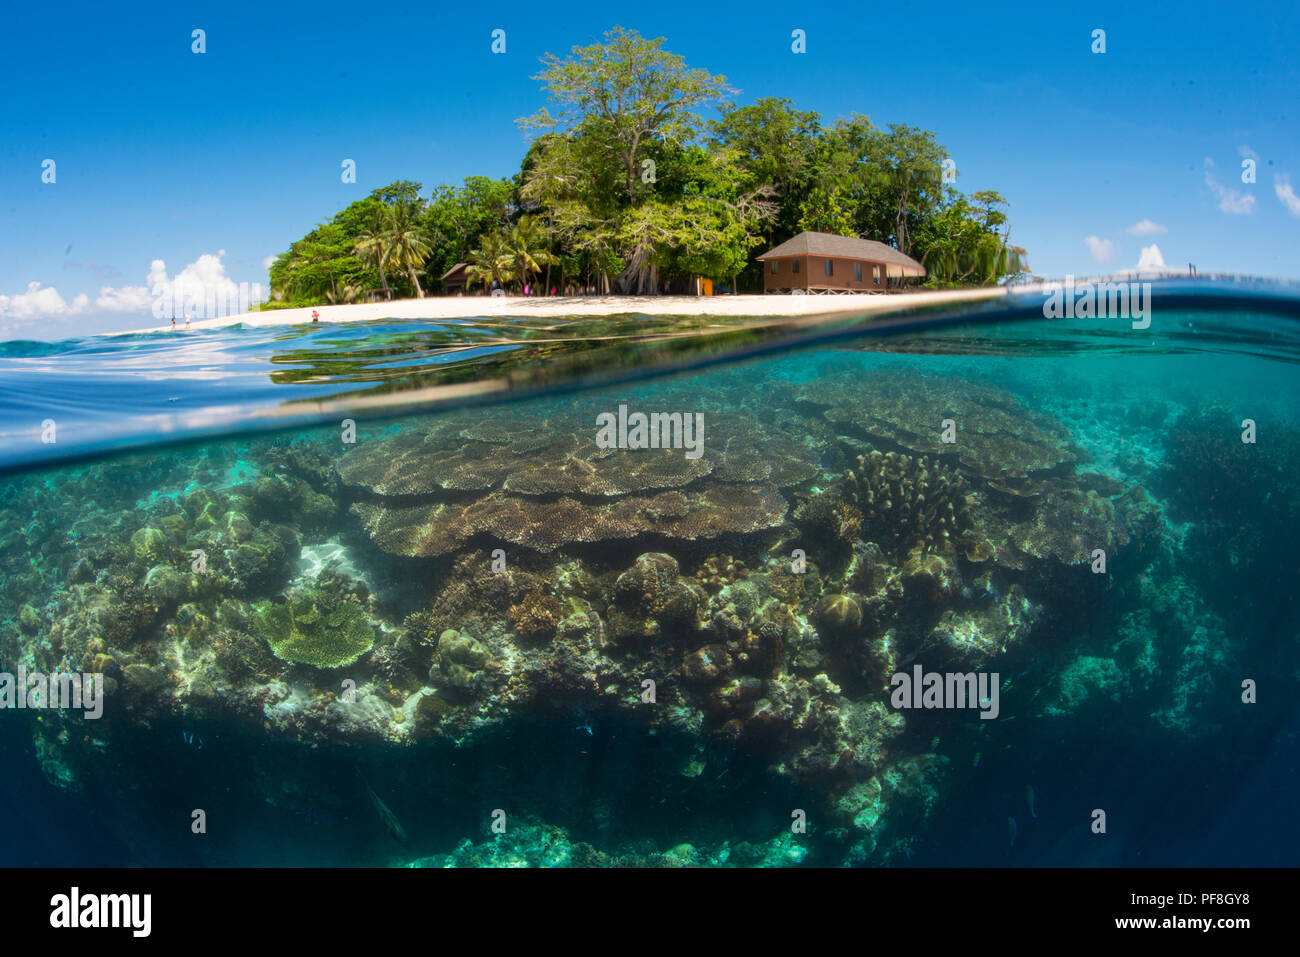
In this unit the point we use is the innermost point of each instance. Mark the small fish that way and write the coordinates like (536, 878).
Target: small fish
(585, 727)
(976, 762)
(1012, 831)
(192, 739)
(391, 824)
(1029, 799)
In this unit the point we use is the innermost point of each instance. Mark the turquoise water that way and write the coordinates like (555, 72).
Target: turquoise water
(384, 593)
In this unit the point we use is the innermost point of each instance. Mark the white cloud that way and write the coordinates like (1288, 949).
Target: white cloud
(1248, 153)
(41, 302)
(204, 278)
(1145, 227)
(1286, 193)
(1151, 260)
(1230, 200)
(1102, 250)
(266, 263)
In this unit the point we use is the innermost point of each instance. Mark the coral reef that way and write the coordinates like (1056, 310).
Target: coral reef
(315, 627)
(737, 614)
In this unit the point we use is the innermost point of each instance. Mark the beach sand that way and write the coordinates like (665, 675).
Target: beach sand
(464, 307)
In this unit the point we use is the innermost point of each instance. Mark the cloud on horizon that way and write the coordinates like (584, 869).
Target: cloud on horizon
(1151, 260)
(203, 277)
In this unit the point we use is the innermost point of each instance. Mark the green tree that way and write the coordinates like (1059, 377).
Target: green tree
(405, 242)
(624, 94)
(526, 247)
(490, 261)
(372, 243)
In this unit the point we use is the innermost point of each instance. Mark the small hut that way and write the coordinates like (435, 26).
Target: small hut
(825, 263)
(454, 279)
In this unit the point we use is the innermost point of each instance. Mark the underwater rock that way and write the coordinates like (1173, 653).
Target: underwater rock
(972, 638)
(581, 626)
(238, 527)
(460, 659)
(650, 595)
(930, 577)
(706, 665)
(165, 585)
(144, 679)
(264, 562)
(885, 814)
(149, 545)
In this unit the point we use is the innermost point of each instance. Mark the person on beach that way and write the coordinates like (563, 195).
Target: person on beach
(315, 316)
(173, 322)
(187, 320)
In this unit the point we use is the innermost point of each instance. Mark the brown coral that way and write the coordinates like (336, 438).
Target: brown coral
(718, 571)
(536, 615)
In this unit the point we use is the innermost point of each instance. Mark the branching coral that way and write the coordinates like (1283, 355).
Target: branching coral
(908, 501)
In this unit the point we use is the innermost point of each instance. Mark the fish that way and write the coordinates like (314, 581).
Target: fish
(1012, 831)
(1029, 799)
(192, 739)
(585, 727)
(976, 762)
(391, 824)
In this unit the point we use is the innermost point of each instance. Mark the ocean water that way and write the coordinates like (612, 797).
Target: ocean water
(415, 594)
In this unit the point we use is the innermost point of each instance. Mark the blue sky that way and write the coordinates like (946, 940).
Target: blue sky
(215, 162)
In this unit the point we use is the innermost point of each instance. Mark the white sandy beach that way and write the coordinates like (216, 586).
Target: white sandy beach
(460, 307)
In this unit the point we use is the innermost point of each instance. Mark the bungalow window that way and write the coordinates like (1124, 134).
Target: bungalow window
(773, 267)
(830, 268)
(857, 272)
(875, 274)
(796, 265)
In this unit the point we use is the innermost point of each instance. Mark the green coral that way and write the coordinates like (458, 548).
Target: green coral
(315, 628)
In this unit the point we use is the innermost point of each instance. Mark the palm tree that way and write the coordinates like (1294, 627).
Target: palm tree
(346, 293)
(373, 243)
(526, 247)
(407, 246)
(492, 260)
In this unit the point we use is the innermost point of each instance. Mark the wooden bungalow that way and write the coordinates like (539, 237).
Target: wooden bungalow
(824, 263)
(454, 279)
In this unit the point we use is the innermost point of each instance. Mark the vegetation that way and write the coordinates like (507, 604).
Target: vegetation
(626, 188)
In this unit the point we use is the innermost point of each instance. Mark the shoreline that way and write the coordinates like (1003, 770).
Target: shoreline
(471, 307)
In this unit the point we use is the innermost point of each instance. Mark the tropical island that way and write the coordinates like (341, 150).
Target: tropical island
(627, 189)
